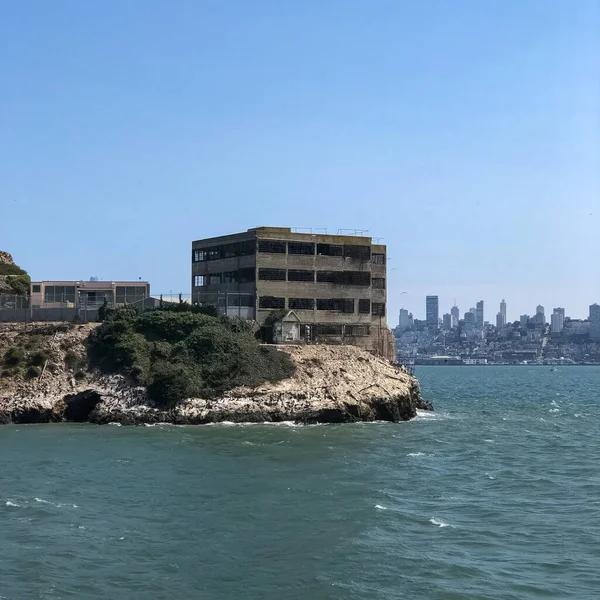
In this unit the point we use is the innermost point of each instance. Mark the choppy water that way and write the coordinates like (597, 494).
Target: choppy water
(496, 495)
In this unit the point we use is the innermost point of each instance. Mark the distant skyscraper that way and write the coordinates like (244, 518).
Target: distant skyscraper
(479, 314)
(557, 320)
(540, 317)
(595, 322)
(432, 312)
(503, 311)
(403, 322)
(524, 319)
(447, 322)
(500, 321)
(455, 313)
(471, 318)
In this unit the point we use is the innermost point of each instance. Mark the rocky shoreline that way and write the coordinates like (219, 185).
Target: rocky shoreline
(332, 384)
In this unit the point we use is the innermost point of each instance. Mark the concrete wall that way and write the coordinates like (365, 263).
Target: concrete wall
(26, 315)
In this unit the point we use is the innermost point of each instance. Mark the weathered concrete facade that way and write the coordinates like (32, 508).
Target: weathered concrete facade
(335, 284)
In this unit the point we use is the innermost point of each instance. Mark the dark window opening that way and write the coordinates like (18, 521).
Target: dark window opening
(364, 306)
(357, 278)
(271, 274)
(330, 250)
(378, 309)
(357, 330)
(379, 283)
(59, 293)
(229, 277)
(271, 302)
(301, 303)
(301, 275)
(214, 279)
(244, 300)
(301, 248)
(378, 259)
(359, 252)
(330, 277)
(345, 305)
(36, 289)
(271, 246)
(329, 330)
(246, 275)
(239, 249)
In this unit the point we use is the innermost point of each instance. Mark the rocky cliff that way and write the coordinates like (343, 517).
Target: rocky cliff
(44, 378)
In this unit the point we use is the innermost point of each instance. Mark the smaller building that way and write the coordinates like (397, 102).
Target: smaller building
(88, 295)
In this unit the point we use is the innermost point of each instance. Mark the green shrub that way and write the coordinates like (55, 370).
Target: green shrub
(184, 353)
(14, 356)
(39, 358)
(73, 361)
(79, 375)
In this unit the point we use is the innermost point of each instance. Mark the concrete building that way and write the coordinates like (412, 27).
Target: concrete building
(455, 314)
(87, 294)
(557, 320)
(595, 322)
(503, 311)
(500, 321)
(432, 312)
(405, 320)
(447, 322)
(334, 284)
(471, 318)
(479, 314)
(523, 320)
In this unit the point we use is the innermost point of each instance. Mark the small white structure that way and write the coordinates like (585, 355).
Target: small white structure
(288, 329)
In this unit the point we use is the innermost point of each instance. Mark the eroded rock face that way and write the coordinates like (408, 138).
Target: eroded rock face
(79, 406)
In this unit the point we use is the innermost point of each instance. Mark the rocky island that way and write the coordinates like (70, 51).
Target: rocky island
(184, 367)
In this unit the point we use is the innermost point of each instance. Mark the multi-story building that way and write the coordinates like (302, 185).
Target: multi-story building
(455, 314)
(405, 320)
(557, 320)
(479, 314)
(432, 312)
(335, 285)
(503, 311)
(500, 321)
(523, 320)
(595, 322)
(447, 321)
(87, 294)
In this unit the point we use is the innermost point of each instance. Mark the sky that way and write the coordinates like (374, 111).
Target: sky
(465, 135)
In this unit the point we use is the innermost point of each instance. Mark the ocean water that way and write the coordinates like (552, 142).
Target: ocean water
(496, 495)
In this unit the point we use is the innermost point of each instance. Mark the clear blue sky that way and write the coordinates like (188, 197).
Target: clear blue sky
(465, 134)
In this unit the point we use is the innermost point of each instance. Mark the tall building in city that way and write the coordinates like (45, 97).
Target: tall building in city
(479, 314)
(432, 312)
(455, 314)
(471, 318)
(595, 322)
(500, 321)
(447, 321)
(404, 321)
(503, 311)
(557, 320)
(523, 320)
(540, 317)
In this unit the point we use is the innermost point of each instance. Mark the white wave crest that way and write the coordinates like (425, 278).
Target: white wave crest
(439, 522)
(9, 503)
(379, 507)
(416, 454)
(42, 501)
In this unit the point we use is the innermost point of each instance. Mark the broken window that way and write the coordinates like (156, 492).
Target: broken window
(271, 246)
(378, 308)
(364, 306)
(357, 278)
(345, 305)
(199, 280)
(301, 303)
(379, 283)
(271, 274)
(330, 276)
(301, 248)
(330, 250)
(301, 275)
(359, 252)
(246, 275)
(357, 330)
(239, 249)
(329, 330)
(378, 259)
(271, 302)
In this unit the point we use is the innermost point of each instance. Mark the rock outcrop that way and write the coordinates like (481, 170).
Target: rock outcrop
(332, 384)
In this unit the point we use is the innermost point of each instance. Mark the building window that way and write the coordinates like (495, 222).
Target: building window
(330, 277)
(378, 309)
(379, 283)
(199, 280)
(329, 330)
(271, 302)
(301, 248)
(59, 293)
(271, 246)
(357, 278)
(345, 305)
(357, 330)
(301, 303)
(214, 279)
(246, 275)
(199, 255)
(243, 300)
(239, 249)
(229, 277)
(36, 289)
(364, 306)
(378, 259)
(358, 252)
(330, 250)
(301, 275)
(130, 294)
(271, 274)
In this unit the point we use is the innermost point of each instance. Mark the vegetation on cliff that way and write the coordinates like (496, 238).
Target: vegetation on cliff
(180, 352)
(13, 279)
